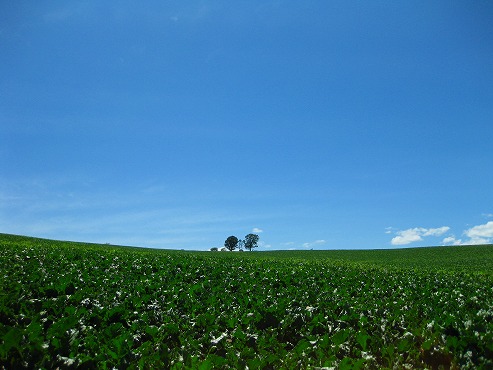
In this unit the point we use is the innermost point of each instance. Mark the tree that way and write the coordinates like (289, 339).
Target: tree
(241, 244)
(251, 241)
(231, 243)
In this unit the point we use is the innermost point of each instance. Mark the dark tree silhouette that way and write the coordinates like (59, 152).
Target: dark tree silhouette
(251, 241)
(231, 243)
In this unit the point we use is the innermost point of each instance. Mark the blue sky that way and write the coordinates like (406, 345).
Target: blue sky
(319, 124)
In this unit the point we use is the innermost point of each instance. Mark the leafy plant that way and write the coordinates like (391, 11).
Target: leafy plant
(68, 305)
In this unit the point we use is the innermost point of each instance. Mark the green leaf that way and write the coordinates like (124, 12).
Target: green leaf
(427, 344)
(340, 337)
(114, 355)
(239, 334)
(152, 330)
(34, 330)
(11, 340)
(346, 364)
(452, 342)
(302, 346)
(362, 338)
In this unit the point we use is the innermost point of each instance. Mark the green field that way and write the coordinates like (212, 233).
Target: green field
(79, 305)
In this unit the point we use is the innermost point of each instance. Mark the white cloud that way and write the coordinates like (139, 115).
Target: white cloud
(477, 241)
(452, 240)
(406, 237)
(257, 230)
(416, 234)
(480, 234)
(485, 230)
(436, 232)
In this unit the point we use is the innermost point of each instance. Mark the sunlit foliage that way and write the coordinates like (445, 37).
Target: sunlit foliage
(71, 305)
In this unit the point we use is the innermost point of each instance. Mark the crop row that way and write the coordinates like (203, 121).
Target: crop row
(114, 307)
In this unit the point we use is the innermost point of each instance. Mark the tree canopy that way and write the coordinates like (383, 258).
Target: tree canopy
(231, 243)
(251, 241)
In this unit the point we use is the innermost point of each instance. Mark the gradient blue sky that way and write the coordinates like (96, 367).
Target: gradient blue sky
(316, 124)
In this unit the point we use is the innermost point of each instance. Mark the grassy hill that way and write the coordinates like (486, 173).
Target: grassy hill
(464, 258)
(70, 305)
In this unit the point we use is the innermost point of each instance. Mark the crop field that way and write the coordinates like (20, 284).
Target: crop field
(76, 305)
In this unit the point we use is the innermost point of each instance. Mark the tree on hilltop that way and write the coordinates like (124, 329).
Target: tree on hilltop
(231, 243)
(251, 241)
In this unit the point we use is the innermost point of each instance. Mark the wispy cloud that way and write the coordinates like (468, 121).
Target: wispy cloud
(479, 234)
(416, 234)
(264, 245)
(257, 230)
(451, 240)
(64, 210)
(313, 244)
